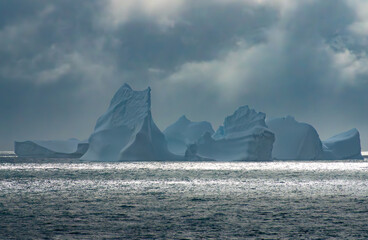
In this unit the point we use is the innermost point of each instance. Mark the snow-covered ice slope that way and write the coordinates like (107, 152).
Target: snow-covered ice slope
(184, 132)
(126, 132)
(52, 148)
(244, 136)
(345, 145)
(295, 140)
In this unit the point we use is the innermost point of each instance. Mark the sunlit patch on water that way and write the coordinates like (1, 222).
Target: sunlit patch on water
(278, 165)
(185, 200)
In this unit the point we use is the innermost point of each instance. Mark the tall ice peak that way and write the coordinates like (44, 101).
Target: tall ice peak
(183, 118)
(127, 132)
(125, 93)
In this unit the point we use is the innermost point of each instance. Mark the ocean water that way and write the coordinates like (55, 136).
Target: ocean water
(184, 200)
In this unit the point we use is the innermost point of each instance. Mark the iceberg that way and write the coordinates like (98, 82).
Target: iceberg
(184, 132)
(300, 141)
(244, 136)
(127, 132)
(295, 140)
(72, 148)
(345, 145)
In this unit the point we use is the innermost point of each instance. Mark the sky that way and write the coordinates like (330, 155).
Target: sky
(61, 62)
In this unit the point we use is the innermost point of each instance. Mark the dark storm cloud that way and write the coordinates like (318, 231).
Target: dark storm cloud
(61, 61)
(45, 67)
(295, 71)
(203, 32)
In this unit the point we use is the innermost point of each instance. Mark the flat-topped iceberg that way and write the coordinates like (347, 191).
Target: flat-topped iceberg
(300, 141)
(72, 148)
(184, 132)
(295, 140)
(244, 136)
(345, 145)
(126, 132)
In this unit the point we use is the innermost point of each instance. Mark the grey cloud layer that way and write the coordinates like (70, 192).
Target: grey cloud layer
(61, 61)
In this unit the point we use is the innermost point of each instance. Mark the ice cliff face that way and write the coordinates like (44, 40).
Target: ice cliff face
(295, 140)
(126, 132)
(243, 137)
(72, 148)
(345, 145)
(184, 132)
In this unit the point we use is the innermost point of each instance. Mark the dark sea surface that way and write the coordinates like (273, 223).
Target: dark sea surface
(184, 200)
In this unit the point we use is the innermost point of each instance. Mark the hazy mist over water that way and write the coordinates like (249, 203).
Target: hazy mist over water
(185, 200)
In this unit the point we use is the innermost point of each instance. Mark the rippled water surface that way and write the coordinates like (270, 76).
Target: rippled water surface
(267, 200)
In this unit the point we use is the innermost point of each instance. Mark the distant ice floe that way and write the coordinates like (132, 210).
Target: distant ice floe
(7, 154)
(72, 148)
